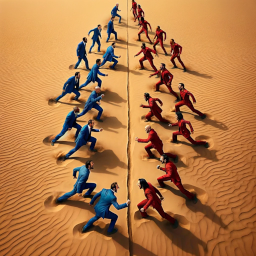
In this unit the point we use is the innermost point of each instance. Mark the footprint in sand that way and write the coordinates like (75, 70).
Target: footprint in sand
(47, 140)
(183, 222)
(200, 193)
(52, 102)
(72, 66)
(51, 205)
(206, 138)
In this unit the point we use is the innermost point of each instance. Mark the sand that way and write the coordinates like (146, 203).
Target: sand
(38, 50)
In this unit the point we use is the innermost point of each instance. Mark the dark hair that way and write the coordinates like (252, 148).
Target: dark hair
(84, 38)
(98, 60)
(139, 6)
(142, 19)
(90, 121)
(165, 158)
(113, 185)
(143, 44)
(179, 115)
(182, 85)
(163, 64)
(113, 43)
(158, 26)
(77, 73)
(146, 95)
(99, 25)
(112, 17)
(172, 40)
(88, 163)
(143, 183)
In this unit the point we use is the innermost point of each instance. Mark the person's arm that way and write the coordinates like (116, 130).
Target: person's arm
(138, 53)
(164, 35)
(175, 124)
(162, 169)
(170, 79)
(95, 197)
(192, 96)
(190, 125)
(90, 31)
(78, 50)
(155, 36)
(81, 181)
(101, 74)
(151, 50)
(95, 130)
(149, 26)
(157, 72)
(145, 140)
(180, 48)
(68, 121)
(149, 202)
(156, 99)
(75, 170)
(65, 85)
(158, 192)
(145, 106)
(119, 206)
(143, 13)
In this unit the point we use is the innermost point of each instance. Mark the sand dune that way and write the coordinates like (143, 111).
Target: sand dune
(38, 43)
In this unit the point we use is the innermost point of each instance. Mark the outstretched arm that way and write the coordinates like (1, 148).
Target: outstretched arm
(149, 202)
(90, 32)
(138, 53)
(145, 140)
(149, 25)
(192, 96)
(101, 74)
(95, 197)
(95, 130)
(156, 99)
(119, 206)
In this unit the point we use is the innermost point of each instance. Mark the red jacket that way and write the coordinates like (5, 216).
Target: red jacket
(153, 138)
(183, 129)
(147, 53)
(151, 194)
(134, 6)
(166, 76)
(140, 11)
(159, 34)
(176, 49)
(171, 171)
(185, 95)
(144, 25)
(153, 105)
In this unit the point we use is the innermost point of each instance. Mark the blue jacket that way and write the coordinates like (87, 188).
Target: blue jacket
(81, 51)
(92, 76)
(71, 85)
(110, 27)
(82, 178)
(107, 198)
(70, 120)
(96, 34)
(114, 11)
(84, 135)
(109, 54)
(91, 100)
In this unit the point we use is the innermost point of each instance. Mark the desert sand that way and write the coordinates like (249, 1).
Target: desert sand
(38, 51)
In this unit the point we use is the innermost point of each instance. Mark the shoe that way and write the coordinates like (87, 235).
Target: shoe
(93, 150)
(174, 141)
(203, 116)
(85, 196)
(194, 200)
(174, 67)
(166, 54)
(113, 231)
(150, 157)
(141, 68)
(112, 67)
(175, 224)
(84, 230)
(88, 69)
(52, 143)
(75, 98)
(184, 70)
(177, 100)
(206, 145)
(147, 120)
(65, 158)
(176, 159)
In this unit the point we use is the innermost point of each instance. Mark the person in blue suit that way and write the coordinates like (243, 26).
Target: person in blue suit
(107, 198)
(84, 137)
(81, 183)
(93, 102)
(114, 12)
(111, 29)
(69, 123)
(81, 53)
(95, 37)
(110, 56)
(93, 75)
(72, 85)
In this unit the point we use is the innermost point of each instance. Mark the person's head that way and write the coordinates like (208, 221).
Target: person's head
(114, 45)
(76, 110)
(142, 19)
(139, 7)
(158, 28)
(133, 1)
(99, 27)
(98, 62)
(97, 89)
(91, 123)
(142, 183)
(112, 18)
(147, 128)
(179, 116)
(89, 164)
(117, 5)
(181, 86)
(85, 39)
(172, 41)
(114, 186)
(146, 96)
(162, 66)
(77, 75)
(164, 159)
(143, 46)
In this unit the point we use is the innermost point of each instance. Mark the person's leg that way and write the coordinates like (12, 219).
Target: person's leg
(72, 151)
(174, 136)
(196, 142)
(103, 62)
(146, 32)
(108, 36)
(78, 129)
(158, 85)
(115, 62)
(86, 62)
(93, 142)
(182, 64)
(63, 131)
(152, 64)
(140, 33)
(140, 205)
(113, 217)
(172, 92)
(162, 45)
(161, 152)
(178, 105)
(93, 43)
(98, 42)
(141, 62)
(99, 82)
(90, 222)
(119, 17)
(148, 149)
(78, 62)
(160, 118)
(115, 33)
(190, 105)
(185, 192)
(85, 84)
(164, 214)
(155, 44)
(99, 108)
(66, 196)
(173, 62)
(90, 187)
(162, 179)
(149, 115)
(85, 110)
(62, 95)
(77, 93)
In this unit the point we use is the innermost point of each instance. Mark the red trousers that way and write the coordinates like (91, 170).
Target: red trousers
(161, 43)
(134, 11)
(149, 60)
(194, 142)
(158, 116)
(146, 32)
(188, 104)
(159, 149)
(179, 59)
(160, 210)
(178, 184)
(169, 88)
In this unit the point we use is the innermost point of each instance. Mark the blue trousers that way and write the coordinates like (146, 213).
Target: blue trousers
(109, 215)
(89, 186)
(93, 43)
(113, 32)
(76, 92)
(113, 60)
(96, 106)
(117, 15)
(85, 60)
(88, 81)
(77, 126)
(79, 145)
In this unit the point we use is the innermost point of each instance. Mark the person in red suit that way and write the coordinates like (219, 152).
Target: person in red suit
(155, 142)
(159, 39)
(147, 56)
(134, 9)
(184, 94)
(166, 78)
(176, 52)
(172, 175)
(151, 193)
(144, 28)
(140, 14)
(185, 132)
(155, 110)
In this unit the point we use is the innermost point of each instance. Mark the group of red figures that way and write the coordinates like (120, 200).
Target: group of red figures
(152, 194)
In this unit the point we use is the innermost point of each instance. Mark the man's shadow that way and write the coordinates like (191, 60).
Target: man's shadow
(214, 123)
(112, 124)
(80, 204)
(47, 141)
(196, 73)
(113, 98)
